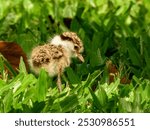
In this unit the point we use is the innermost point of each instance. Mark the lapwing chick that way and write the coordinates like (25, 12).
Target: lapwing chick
(56, 55)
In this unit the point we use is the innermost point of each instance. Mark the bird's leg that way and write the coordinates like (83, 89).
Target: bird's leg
(65, 79)
(59, 79)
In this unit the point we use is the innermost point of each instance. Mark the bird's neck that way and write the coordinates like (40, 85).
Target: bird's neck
(67, 45)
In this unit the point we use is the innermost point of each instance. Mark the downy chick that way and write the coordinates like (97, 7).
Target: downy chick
(55, 56)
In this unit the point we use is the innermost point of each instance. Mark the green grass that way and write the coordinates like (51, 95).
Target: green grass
(27, 93)
(110, 30)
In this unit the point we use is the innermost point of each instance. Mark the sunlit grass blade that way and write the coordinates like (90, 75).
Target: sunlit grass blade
(112, 88)
(8, 101)
(69, 103)
(92, 78)
(124, 105)
(25, 83)
(137, 102)
(102, 96)
(73, 78)
(42, 86)
(9, 67)
(9, 86)
(1, 64)
(96, 102)
(22, 67)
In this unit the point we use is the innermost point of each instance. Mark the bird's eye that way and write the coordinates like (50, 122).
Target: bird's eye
(76, 47)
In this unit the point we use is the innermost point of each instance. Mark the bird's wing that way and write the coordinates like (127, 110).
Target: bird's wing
(45, 54)
(56, 51)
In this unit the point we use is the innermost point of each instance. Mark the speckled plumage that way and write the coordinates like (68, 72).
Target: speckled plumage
(71, 36)
(56, 55)
(49, 57)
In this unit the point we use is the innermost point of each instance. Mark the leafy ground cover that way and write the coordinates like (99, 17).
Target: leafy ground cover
(110, 30)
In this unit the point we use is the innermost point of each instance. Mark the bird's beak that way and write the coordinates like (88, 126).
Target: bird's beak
(80, 57)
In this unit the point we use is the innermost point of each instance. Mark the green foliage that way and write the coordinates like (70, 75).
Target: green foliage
(26, 93)
(110, 29)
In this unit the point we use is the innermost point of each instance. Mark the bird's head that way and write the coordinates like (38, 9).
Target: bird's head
(71, 42)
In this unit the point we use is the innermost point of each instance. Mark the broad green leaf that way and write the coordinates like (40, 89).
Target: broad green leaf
(112, 88)
(29, 79)
(96, 101)
(42, 86)
(14, 84)
(91, 78)
(3, 61)
(8, 99)
(74, 79)
(9, 86)
(2, 83)
(124, 105)
(137, 102)
(134, 54)
(95, 58)
(22, 67)
(122, 10)
(102, 96)
(38, 107)
(28, 5)
(69, 103)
